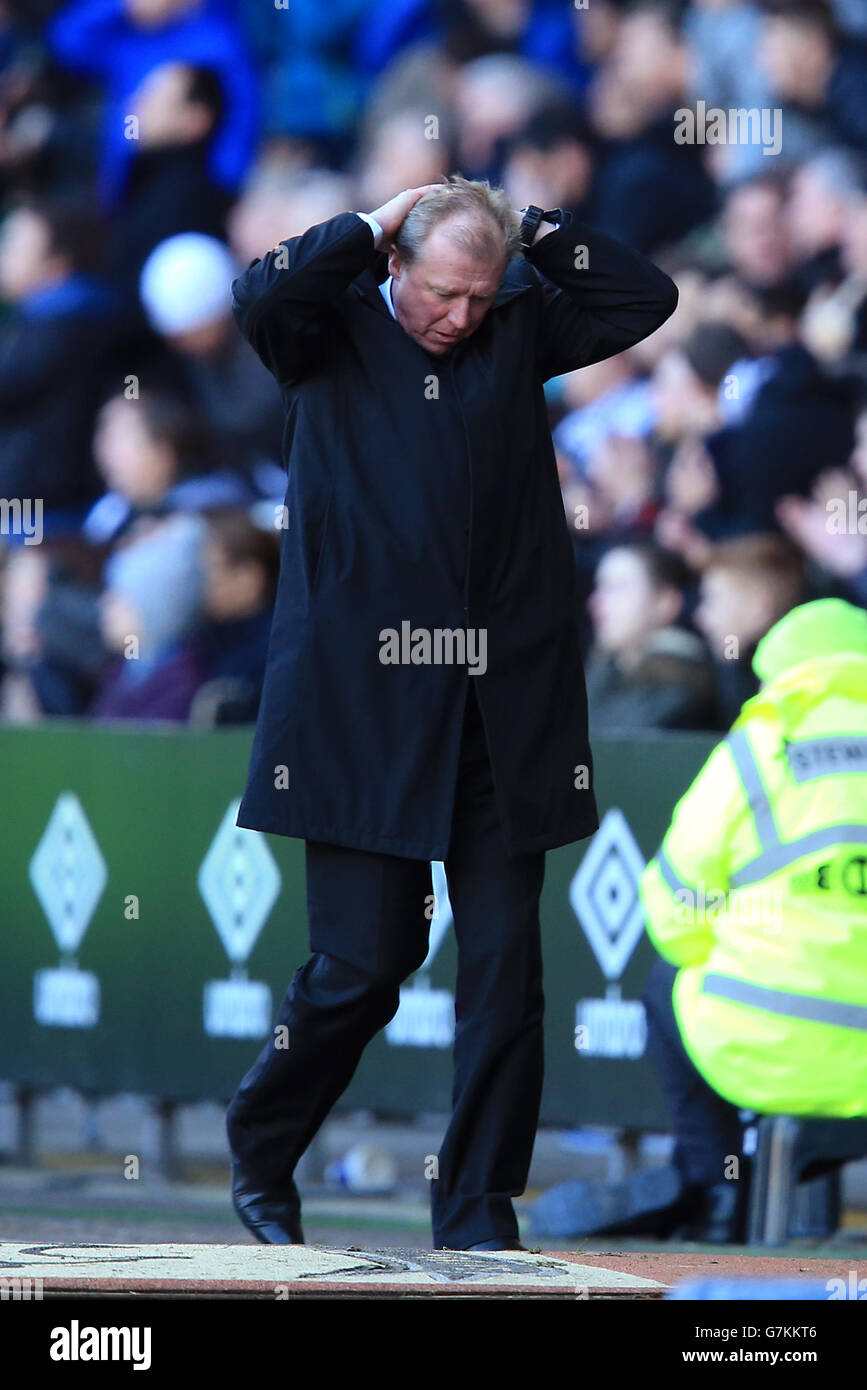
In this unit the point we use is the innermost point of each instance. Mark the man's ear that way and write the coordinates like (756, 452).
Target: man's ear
(394, 264)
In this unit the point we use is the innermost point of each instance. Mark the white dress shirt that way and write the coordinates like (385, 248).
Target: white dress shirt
(385, 287)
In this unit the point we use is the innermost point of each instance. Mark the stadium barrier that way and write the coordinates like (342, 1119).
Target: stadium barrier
(148, 941)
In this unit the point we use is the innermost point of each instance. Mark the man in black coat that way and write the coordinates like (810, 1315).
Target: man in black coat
(424, 698)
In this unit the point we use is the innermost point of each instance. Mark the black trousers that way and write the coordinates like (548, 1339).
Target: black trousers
(368, 918)
(707, 1128)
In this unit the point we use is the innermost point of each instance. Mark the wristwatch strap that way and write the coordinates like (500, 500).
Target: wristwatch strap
(531, 217)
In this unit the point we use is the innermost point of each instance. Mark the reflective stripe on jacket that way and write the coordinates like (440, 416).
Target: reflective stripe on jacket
(759, 893)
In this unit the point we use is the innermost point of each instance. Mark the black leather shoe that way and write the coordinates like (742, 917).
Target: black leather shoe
(497, 1245)
(273, 1220)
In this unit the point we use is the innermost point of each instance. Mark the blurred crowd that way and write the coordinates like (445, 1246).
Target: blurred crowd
(713, 477)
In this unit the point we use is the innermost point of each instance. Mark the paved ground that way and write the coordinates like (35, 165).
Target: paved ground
(298, 1271)
(274, 1272)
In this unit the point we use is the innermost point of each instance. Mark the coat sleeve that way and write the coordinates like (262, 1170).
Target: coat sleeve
(284, 303)
(599, 297)
(686, 883)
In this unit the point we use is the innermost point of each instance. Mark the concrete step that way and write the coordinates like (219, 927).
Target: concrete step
(298, 1271)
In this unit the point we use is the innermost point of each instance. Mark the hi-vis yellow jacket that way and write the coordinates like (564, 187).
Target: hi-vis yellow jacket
(759, 894)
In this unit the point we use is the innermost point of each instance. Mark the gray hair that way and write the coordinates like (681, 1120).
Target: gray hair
(486, 226)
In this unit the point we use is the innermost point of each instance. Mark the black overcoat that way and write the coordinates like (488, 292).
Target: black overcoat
(423, 491)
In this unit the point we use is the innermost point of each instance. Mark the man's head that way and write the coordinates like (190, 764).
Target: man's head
(241, 563)
(397, 152)
(689, 377)
(448, 259)
(650, 57)
(819, 199)
(755, 231)
(747, 585)
(552, 159)
(279, 203)
(177, 104)
(639, 590)
(797, 49)
(43, 242)
(143, 446)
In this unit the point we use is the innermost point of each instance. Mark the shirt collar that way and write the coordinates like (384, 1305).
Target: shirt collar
(385, 291)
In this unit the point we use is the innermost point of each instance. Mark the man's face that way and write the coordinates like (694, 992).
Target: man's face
(166, 114)
(624, 605)
(683, 402)
(128, 456)
(26, 262)
(736, 604)
(442, 297)
(756, 234)
(797, 58)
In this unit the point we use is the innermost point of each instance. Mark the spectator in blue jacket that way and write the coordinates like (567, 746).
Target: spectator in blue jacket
(120, 41)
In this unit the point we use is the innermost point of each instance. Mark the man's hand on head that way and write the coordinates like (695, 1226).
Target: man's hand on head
(390, 216)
